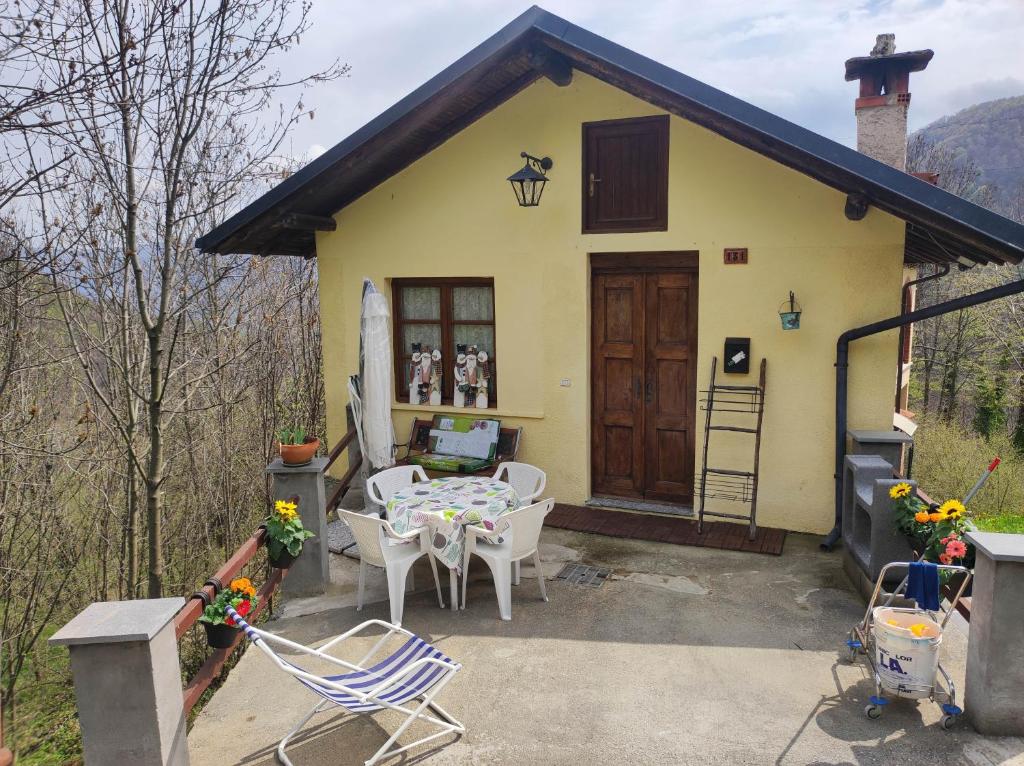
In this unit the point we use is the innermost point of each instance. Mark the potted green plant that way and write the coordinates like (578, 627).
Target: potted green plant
(296, 447)
(220, 629)
(285, 534)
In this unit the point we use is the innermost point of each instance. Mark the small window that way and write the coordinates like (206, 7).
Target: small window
(625, 175)
(447, 315)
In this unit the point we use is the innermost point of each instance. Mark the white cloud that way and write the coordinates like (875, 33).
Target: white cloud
(783, 55)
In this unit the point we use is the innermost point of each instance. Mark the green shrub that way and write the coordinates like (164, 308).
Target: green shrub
(947, 462)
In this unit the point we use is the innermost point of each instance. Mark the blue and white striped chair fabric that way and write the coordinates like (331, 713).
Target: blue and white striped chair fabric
(366, 690)
(403, 691)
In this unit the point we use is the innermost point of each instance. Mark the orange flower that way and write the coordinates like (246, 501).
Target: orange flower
(243, 585)
(936, 517)
(922, 516)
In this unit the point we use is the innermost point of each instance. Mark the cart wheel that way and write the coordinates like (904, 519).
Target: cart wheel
(949, 721)
(848, 653)
(874, 712)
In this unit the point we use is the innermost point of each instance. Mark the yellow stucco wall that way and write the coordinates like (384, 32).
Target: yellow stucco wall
(453, 214)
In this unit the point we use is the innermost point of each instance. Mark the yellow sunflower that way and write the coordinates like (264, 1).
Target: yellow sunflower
(285, 509)
(954, 509)
(900, 490)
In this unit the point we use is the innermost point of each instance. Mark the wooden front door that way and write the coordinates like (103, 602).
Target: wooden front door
(643, 375)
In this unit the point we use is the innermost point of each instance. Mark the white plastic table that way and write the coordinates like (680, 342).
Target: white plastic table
(446, 505)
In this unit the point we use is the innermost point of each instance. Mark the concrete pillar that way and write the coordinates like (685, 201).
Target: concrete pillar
(124, 658)
(310, 574)
(995, 647)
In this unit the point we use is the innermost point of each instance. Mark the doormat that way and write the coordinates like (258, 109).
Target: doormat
(581, 574)
(666, 529)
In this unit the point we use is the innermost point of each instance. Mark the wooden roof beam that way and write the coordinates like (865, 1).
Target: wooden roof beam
(551, 64)
(307, 222)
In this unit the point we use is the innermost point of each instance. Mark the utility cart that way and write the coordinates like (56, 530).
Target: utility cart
(901, 647)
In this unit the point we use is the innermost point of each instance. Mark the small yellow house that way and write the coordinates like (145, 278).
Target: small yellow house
(673, 217)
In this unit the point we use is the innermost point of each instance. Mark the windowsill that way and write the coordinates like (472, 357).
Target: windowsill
(490, 411)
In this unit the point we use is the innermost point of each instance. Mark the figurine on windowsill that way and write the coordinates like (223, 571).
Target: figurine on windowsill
(472, 378)
(425, 376)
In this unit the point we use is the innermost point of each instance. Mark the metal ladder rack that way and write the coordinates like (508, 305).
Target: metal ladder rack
(726, 483)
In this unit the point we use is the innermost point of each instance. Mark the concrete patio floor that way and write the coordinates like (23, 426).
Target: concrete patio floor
(686, 656)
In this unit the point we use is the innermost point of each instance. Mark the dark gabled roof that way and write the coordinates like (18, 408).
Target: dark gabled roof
(941, 227)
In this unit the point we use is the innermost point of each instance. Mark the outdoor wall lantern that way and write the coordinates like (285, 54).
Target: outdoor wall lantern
(789, 313)
(528, 183)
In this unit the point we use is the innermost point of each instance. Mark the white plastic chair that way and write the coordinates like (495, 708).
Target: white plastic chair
(527, 480)
(416, 671)
(381, 546)
(519, 539)
(382, 486)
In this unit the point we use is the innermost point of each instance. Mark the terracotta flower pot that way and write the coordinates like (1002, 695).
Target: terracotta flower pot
(220, 636)
(299, 454)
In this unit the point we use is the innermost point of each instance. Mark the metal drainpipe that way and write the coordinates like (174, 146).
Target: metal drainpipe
(941, 272)
(842, 373)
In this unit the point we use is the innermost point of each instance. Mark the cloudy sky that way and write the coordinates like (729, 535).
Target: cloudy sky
(785, 56)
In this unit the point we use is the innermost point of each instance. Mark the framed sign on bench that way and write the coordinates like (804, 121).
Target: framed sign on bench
(419, 449)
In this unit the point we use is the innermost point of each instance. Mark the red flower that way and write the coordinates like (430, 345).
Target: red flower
(244, 607)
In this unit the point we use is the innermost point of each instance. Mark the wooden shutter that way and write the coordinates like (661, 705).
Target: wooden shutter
(625, 175)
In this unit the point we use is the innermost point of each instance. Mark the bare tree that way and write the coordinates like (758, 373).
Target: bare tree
(166, 137)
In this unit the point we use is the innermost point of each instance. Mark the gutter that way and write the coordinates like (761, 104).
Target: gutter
(842, 374)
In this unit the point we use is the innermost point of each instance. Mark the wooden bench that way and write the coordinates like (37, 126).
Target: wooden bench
(508, 446)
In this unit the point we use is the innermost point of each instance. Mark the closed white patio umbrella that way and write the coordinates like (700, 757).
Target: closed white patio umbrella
(371, 393)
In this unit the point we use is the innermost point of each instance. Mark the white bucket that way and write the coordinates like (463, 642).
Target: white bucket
(906, 662)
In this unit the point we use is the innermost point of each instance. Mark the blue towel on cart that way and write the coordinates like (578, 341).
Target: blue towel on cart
(923, 585)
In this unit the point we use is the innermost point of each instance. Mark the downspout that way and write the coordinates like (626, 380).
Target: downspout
(904, 302)
(842, 373)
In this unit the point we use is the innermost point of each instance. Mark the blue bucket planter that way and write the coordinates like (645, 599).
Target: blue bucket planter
(791, 317)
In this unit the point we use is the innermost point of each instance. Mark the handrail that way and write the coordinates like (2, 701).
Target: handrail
(189, 615)
(6, 756)
(346, 480)
(215, 662)
(340, 447)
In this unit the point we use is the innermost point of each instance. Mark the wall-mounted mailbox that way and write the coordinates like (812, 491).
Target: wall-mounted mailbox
(737, 355)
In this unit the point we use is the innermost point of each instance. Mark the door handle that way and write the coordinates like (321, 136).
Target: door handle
(650, 391)
(590, 185)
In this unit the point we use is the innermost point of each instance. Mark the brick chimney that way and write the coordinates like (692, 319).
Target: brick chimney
(884, 99)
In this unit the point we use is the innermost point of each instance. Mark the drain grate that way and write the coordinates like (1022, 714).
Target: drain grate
(581, 574)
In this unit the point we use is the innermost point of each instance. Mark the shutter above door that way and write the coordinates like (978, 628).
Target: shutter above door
(625, 175)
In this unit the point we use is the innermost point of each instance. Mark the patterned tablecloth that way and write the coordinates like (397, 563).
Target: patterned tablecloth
(446, 505)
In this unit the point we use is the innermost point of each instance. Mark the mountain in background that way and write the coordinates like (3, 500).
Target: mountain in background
(989, 135)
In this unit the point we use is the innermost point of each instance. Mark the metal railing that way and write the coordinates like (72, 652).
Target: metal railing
(189, 615)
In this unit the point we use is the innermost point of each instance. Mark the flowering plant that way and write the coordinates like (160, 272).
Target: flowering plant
(240, 594)
(938, 528)
(284, 530)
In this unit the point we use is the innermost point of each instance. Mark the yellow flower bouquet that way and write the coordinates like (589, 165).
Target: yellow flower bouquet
(285, 533)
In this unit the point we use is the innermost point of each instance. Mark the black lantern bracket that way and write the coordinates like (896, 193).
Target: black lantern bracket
(542, 164)
(528, 183)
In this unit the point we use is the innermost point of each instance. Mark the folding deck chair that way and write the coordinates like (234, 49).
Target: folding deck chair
(417, 671)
